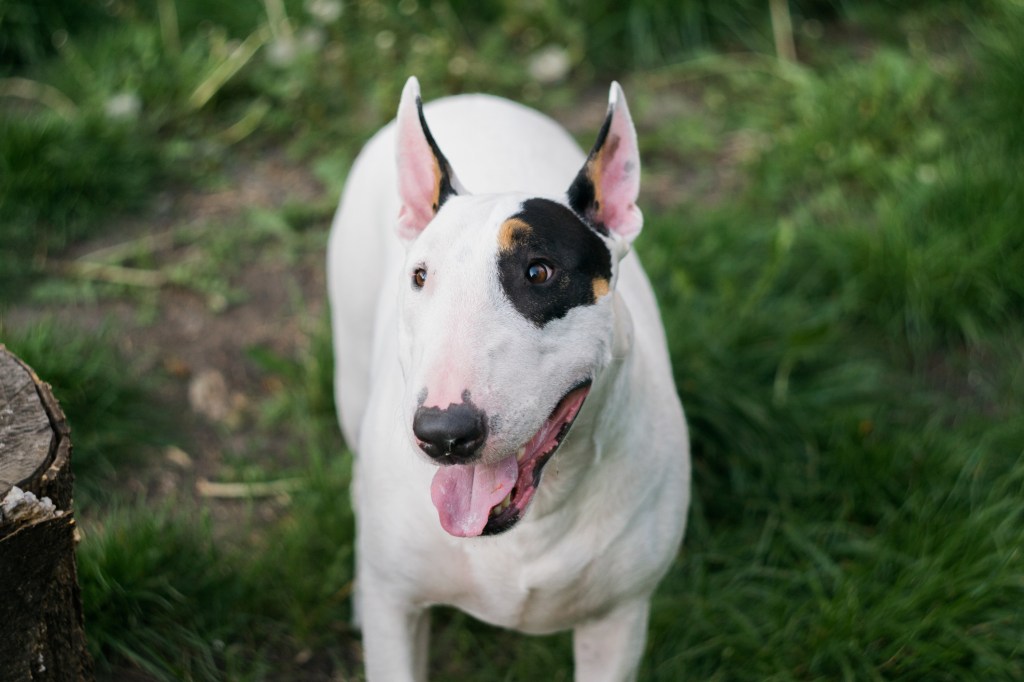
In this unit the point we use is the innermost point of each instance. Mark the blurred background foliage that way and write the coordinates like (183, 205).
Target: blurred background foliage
(105, 100)
(835, 242)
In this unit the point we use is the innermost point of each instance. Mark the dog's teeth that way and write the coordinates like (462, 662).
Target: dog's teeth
(502, 506)
(521, 454)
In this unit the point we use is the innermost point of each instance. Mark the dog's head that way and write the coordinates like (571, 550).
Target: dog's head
(506, 314)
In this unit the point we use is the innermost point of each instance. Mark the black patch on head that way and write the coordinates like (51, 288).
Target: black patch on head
(446, 189)
(581, 192)
(578, 255)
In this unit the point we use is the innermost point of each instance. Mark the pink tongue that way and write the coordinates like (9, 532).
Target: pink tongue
(464, 494)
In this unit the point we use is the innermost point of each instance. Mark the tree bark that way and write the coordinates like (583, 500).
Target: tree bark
(41, 633)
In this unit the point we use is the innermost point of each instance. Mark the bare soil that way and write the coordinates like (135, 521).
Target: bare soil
(210, 385)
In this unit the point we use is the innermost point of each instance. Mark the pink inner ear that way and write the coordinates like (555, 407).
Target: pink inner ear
(616, 174)
(419, 176)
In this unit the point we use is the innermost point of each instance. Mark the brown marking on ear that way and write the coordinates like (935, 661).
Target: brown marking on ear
(593, 173)
(512, 230)
(582, 192)
(443, 186)
(595, 165)
(436, 204)
(600, 286)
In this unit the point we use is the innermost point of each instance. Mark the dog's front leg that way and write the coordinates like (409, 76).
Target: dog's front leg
(395, 637)
(609, 649)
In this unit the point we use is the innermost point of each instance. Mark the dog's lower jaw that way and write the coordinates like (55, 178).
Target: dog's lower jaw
(490, 498)
(531, 462)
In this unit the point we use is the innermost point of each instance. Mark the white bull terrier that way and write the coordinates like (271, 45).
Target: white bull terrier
(503, 378)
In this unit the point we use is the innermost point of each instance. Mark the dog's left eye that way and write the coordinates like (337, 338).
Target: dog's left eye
(539, 271)
(419, 277)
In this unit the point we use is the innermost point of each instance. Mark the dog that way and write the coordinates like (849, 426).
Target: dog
(503, 378)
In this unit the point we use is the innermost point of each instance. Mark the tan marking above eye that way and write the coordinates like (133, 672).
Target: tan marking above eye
(600, 286)
(512, 230)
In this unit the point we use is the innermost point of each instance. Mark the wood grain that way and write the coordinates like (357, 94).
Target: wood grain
(41, 625)
(26, 437)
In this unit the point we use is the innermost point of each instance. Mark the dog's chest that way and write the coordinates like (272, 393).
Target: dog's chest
(538, 582)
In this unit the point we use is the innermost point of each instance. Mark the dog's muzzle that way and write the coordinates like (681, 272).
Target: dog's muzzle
(454, 435)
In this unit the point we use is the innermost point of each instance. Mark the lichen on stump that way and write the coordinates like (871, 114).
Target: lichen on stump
(41, 636)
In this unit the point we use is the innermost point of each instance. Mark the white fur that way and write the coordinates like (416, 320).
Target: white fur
(610, 511)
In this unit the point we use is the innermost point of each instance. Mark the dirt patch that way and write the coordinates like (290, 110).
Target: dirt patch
(210, 384)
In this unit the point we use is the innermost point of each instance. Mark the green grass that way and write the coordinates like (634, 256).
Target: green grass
(160, 596)
(855, 523)
(836, 333)
(841, 278)
(60, 180)
(202, 608)
(114, 417)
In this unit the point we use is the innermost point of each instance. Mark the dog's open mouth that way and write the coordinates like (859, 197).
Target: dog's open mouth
(486, 499)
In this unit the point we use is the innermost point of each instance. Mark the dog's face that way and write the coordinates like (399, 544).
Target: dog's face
(506, 317)
(505, 322)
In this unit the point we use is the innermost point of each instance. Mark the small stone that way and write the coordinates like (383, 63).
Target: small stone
(549, 64)
(124, 106)
(178, 457)
(208, 395)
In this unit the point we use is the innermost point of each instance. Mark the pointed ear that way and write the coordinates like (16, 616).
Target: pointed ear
(606, 188)
(425, 179)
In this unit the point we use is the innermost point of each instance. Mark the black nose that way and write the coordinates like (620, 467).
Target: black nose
(453, 435)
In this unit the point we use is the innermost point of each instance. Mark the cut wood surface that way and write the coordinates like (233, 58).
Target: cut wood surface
(41, 635)
(26, 437)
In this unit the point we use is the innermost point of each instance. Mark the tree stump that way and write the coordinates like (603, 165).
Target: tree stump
(41, 635)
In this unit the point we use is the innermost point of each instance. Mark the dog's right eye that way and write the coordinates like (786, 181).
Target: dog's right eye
(539, 271)
(419, 277)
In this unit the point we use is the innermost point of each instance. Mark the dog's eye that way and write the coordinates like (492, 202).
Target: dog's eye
(539, 271)
(419, 277)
